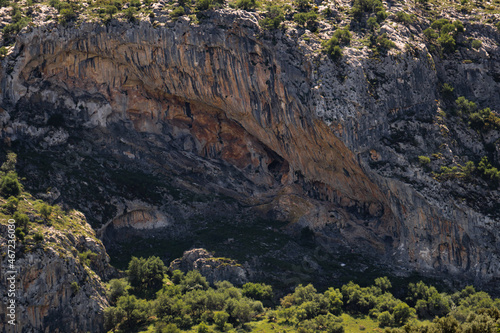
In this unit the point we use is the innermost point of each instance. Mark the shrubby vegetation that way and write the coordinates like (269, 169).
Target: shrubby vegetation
(332, 46)
(186, 302)
(444, 33)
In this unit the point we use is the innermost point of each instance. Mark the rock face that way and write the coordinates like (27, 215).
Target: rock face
(55, 290)
(213, 269)
(225, 116)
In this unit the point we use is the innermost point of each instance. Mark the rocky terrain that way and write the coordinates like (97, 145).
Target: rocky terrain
(59, 279)
(176, 128)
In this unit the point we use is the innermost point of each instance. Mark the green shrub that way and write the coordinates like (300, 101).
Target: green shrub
(484, 120)
(246, 4)
(19, 232)
(38, 237)
(4, 3)
(438, 24)
(11, 205)
(10, 186)
(273, 19)
(110, 10)
(75, 287)
(117, 288)
(430, 34)
(66, 15)
(447, 42)
(367, 6)
(385, 319)
(258, 291)
(130, 13)
(22, 220)
(447, 91)
(405, 18)
(424, 160)
(179, 11)
(135, 3)
(302, 5)
(476, 44)
(487, 171)
(308, 20)
(464, 106)
(203, 4)
(497, 25)
(385, 43)
(3, 52)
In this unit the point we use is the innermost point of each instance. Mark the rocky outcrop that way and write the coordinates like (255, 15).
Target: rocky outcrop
(213, 269)
(202, 120)
(56, 290)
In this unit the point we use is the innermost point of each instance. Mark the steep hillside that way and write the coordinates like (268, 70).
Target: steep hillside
(52, 265)
(351, 127)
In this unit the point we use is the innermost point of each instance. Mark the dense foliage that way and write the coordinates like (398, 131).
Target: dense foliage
(186, 302)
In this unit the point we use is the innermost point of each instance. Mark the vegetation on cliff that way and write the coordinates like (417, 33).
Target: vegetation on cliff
(187, 303)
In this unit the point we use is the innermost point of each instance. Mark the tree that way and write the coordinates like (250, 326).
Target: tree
(402, 313)
(220, 319)
(385, 319)
(383, 282)
(334, 300)
(117, 288)
(110, 10)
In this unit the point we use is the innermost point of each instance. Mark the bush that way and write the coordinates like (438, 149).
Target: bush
(19, 232)
(385, 43)
(405, 18)
(130, 13)
(258, 291)
(464, 106)
(385, 319)
(366, 6)
(21, 220)
(484, 120)
(246, 4)
(203, 4)
(4, 3)
(332, 49)
(430, 34)
(3, 52)
(220, 319)
(45, 210)
(447, 91)
(117, 288)
(487, 171)
(424, 160)
(308, 20)
(273, 19)
(476, 44)
(11, 205)
(179, 11)
(66, 15)
(38, 237)
(372, 23)
(75, 287)
(10, 186)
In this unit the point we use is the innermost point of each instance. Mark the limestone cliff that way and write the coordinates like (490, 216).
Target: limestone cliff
(58, 285)
(179, 122)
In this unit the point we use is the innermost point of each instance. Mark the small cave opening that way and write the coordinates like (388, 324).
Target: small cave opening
(278, 166)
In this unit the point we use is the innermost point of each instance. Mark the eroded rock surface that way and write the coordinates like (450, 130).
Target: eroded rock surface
(202, 122)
